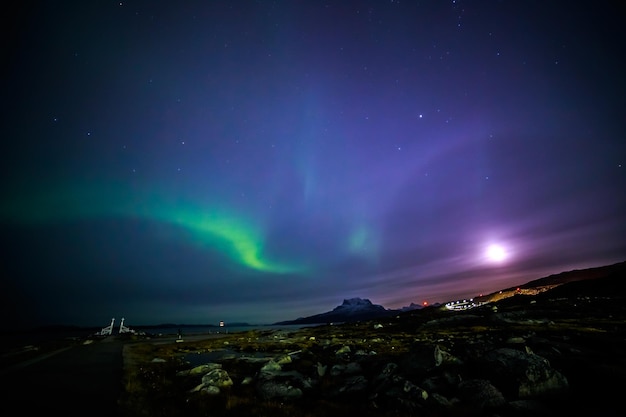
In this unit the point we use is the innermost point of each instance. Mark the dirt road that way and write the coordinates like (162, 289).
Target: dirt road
(83, 380)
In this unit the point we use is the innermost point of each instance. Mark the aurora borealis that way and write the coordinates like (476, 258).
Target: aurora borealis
(261, 161)
(207, 225)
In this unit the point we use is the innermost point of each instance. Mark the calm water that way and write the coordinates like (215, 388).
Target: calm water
(15, 338)
(195, 330)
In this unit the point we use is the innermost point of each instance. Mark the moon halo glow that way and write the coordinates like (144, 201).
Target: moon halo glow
(496, 253)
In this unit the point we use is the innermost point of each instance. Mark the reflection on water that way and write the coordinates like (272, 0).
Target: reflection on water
(20, 338)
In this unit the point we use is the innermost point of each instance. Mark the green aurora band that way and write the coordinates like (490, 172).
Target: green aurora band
(232, 235)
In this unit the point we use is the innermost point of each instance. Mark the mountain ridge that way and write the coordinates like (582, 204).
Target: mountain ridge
(362, 309)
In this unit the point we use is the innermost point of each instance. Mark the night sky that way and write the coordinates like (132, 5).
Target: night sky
(258, 161)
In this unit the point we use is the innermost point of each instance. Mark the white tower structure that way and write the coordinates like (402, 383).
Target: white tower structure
(109, 329)
(124, 329)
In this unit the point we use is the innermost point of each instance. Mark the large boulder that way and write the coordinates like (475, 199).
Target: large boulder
(522, 374)
(281, 390)
(217, 378)
(481, 394)
(200, 369)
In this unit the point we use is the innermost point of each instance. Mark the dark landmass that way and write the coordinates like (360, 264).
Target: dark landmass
(354, 309)
(357, 309)
(556, 347)
(578, 275)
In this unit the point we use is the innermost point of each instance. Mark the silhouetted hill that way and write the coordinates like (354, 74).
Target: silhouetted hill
(603, 282)
(354, 309)
(607, 280)
(550, 282)
(578, 275)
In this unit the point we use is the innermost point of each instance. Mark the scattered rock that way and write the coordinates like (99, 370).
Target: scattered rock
(522, 374)
(217, 378)
(514, 359)
(481, 394)
(269, 390)
(200, 369)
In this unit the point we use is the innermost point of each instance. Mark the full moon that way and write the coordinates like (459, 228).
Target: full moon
(496, 253)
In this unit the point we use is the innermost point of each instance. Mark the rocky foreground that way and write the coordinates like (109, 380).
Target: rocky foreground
(556, 352)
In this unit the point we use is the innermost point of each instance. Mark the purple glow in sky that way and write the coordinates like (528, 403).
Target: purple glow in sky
(262, 161)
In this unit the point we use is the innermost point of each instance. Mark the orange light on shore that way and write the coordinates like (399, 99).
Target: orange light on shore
(425, 303)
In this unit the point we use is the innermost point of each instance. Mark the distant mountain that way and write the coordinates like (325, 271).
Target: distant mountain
(358, 309)
(411, 307)
(353, 309)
